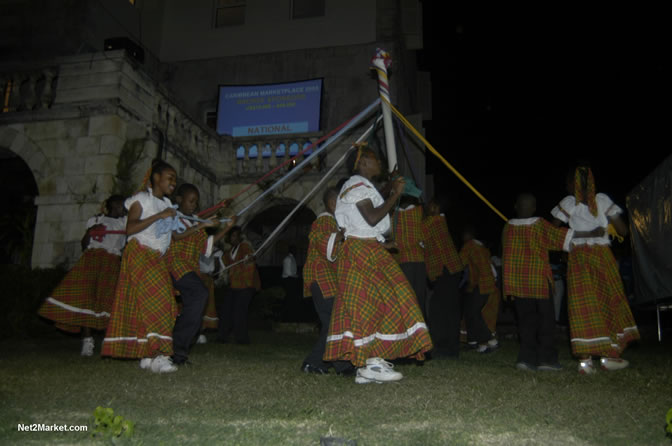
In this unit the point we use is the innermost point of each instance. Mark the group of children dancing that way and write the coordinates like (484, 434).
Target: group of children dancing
(132, 295)
(372, 304)
(367, 274)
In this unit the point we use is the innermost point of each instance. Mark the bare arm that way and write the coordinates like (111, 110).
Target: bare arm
(619, 225)
(226, 229)
(372, 215)
(192, 229)
(87, 235)
(134, 224)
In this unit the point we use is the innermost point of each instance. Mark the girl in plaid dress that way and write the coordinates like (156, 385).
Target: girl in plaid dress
(376, 314)
(144, 311)
(83, 300)
(600, 321)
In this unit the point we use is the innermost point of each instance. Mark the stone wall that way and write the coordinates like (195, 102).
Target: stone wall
(96, 135)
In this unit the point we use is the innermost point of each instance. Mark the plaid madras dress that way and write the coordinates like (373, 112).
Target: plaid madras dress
(439, 248)
(409, 235)
(477, 257)
(245, 274)
(85, 296)
(526, 271)
(376, 313)
(144, 311)
(317, 267)
(601, 322)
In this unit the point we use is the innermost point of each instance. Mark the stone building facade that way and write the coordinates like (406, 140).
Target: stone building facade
(88, 125)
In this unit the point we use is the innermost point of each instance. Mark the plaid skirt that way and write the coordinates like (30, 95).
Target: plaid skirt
(600, 320)
(84, 297)
(210, 319)
(144, 311)
(490, 310)
(376, 313)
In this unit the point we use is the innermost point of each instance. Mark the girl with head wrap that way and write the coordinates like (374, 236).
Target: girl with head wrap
(601, 323)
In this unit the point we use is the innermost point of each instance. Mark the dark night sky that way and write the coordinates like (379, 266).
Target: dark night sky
(521, 96)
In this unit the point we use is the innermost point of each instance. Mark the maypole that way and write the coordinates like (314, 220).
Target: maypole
(380, 62)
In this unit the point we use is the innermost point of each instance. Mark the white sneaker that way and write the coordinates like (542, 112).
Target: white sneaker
(361, 380)
(586, 367)
(377, 369)
(163, 364)
(88, 345)
(202, 339)
(145, 363)
(493, 343)
(613, 363)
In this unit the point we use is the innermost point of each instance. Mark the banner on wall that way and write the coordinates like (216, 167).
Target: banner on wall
(270, 109)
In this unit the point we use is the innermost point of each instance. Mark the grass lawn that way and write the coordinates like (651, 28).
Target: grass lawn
(256, 395)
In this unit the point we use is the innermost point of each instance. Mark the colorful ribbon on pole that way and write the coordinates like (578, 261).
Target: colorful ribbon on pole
(380, 62)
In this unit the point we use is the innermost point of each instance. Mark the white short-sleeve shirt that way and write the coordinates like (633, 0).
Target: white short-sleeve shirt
(112, 243)
(151, 205)
(357, 189)
(579, 218)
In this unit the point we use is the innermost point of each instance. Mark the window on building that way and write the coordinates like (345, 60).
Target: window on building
(211, 119)
(229, 13)
(304, 9)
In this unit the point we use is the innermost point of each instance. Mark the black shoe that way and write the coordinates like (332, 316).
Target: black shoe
(308, 368)
(180, 361)
(444, 354)
(347, 372)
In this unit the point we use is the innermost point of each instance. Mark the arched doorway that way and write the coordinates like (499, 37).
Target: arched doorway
(17, 224)
(295, 233)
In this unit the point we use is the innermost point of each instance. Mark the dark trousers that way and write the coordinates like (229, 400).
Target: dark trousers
(194, 297)
(444, 314)
(292, 310)
(536, 330)
(323, 307)
(232, 313)
(477, 329)
(416, 274)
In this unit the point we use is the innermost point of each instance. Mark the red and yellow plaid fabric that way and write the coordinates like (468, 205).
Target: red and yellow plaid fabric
(183, 255)
(85, 296)
(600, 320)
(526, 271)
(210, 318)
(317, 268)
(243, 275)
(144, 310)
(409, 235)
(477, 257)
(376, 313)
(490, 310)
(440, 250)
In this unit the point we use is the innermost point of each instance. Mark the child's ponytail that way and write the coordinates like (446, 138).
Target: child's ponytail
(158, 166)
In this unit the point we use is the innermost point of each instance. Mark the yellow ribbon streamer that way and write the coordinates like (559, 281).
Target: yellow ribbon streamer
(443, 160)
